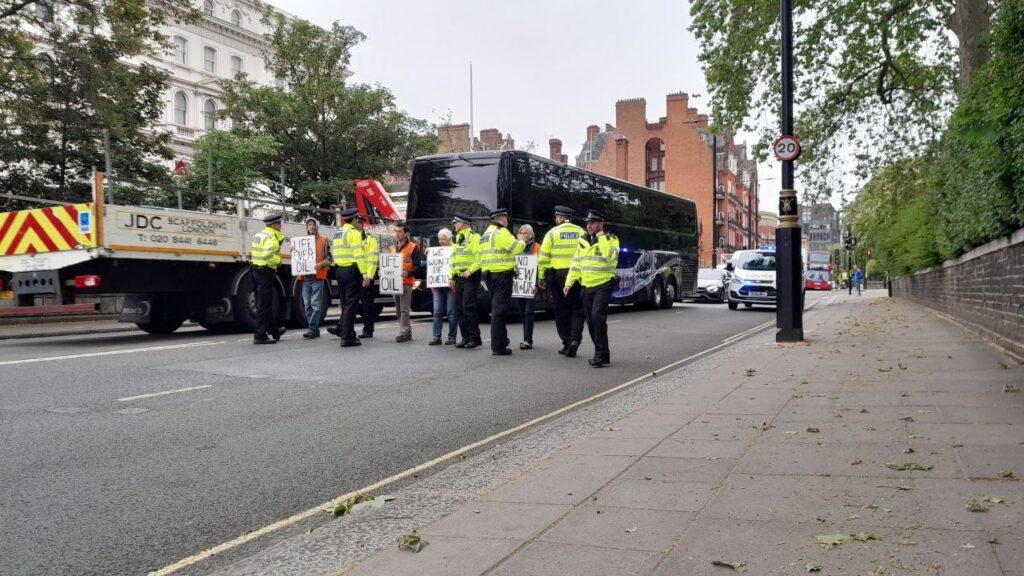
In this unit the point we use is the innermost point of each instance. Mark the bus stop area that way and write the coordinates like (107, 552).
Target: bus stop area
(890, 442)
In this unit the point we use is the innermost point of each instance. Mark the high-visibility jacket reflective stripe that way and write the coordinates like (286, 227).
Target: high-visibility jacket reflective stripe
(347, 248)
(464, 252)
(266, 248)
(498, 249)
(558, 248)
(407, 264)
(371, 254)
(594, 264)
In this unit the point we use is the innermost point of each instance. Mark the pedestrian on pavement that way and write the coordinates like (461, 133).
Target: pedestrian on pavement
(858, 277)
(553, 261)
(314, 286)
(529, 240)
(264, 260)
(350, 270)
(371, 289)
(849, 282)
(413, 266)
(465, 282)
(497, 253)
(594, 266)
(444, 302)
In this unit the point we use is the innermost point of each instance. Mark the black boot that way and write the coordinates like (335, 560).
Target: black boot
(570, 350)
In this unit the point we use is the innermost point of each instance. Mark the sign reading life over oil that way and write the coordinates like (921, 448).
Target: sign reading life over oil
(148, 228)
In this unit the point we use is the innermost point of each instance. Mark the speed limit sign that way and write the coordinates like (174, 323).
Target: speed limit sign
(786, 148)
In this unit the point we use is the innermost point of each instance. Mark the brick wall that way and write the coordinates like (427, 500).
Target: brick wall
(983, 289)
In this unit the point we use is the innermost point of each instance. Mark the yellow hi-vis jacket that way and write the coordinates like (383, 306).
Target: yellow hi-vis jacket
(266, 248)
(347, 248)
(594, 263)
(558, 248)
(464, 252)
(498, 249)
(371, 250)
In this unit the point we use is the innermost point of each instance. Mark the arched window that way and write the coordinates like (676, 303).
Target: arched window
(180, 50)
(236, 18)
(180, 109)
(209, 60)
(208, 7)
(656, 164)
(236, 65)
(210, 115)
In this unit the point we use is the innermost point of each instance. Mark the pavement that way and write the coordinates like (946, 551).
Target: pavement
(891, 442)
(126, 452)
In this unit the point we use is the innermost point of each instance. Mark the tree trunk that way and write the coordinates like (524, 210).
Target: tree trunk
(969, 22)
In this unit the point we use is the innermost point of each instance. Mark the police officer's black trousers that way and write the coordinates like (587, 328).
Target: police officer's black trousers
(369, 309)
(264, 283)
(569, 315)
(499, 284)
(350, 284)
(595, 302)
(466, 291)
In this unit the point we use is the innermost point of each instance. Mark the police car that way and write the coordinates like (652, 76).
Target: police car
(754, 278)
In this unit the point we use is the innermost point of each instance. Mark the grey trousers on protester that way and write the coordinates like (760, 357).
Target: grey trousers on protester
(403, 308)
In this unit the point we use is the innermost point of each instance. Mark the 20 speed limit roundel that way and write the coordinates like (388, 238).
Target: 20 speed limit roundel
(786, 148)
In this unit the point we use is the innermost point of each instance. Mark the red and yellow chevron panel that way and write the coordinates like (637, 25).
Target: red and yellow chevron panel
(50, 229)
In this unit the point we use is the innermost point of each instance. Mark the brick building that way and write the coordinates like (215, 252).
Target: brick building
(674, 155)
(820, 225)
(767, 222)
(453, 138)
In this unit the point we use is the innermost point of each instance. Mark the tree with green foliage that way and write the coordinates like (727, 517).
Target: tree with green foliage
(328, 130)
(239, 165)
(875, 80)
(67, 78)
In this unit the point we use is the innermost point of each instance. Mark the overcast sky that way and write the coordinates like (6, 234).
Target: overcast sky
(541, 69)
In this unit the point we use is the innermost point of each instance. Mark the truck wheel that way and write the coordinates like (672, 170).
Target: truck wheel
(160, 326)
(244, 303)
(732, 305)
(657, 296)
(219, 327)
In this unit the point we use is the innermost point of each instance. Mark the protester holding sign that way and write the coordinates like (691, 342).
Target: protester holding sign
(438, 273)
(314, 286)
(529, 240)
(413, 266)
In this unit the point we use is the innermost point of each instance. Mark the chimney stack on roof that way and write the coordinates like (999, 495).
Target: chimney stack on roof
(592, 131)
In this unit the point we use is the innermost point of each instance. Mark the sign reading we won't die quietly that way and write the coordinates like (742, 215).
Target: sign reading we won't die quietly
(526, 276)
(303, 255)
(439, 266)
(391, 274)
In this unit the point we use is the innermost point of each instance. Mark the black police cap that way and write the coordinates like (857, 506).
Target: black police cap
(499, 212)
(594, 215)
(460, 217)
(564, 211)
(273, 218)
(351, 214)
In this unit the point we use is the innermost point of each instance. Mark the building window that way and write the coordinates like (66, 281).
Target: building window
(208, 7)
(236, 18)
(210, 115)
(180, 109)
(655, 164)
(236, 65)
(180, 50)
(210, 60)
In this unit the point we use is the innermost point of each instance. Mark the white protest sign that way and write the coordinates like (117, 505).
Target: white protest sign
(303, 255)
(439, 266)
(390, 274)
(526, 276)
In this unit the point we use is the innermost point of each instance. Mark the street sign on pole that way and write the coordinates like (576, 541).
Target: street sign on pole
(787, 148)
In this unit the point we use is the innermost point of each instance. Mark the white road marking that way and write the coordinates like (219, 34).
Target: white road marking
(329, 506)
(107, 353)
(164, 393)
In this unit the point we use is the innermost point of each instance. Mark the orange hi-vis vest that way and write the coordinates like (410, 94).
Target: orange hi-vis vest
(407, 266)
(323, 250)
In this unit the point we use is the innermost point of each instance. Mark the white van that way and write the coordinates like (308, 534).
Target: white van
(753, 278)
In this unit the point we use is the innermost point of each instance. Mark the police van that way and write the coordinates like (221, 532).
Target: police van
(754, 278)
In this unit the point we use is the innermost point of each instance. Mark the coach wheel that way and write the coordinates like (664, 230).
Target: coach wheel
(165, 326)
(670, 294)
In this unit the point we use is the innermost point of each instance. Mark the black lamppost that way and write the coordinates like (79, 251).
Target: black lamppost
(789, 298)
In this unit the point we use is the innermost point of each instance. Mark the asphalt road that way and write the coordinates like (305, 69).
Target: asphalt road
(96, 477)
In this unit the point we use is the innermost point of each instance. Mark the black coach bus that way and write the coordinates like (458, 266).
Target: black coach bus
(658, 233)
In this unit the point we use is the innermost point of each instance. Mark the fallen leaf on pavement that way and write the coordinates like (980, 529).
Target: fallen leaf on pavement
(908, 451)
(464, 457)
(411, 542)
(751, 371)
(724, 564)
(856, 462)
(906, 419)
(349, 505)
(889, 369)
(901, 488)
(1010, 388)
(1004, 474)
(994, 499)
(813, 430)
(631, 530)
(812, 567)
(863, 410)
(993, 540)
(968, 546)
(974, 506)
(909, 466)
(829, 541)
